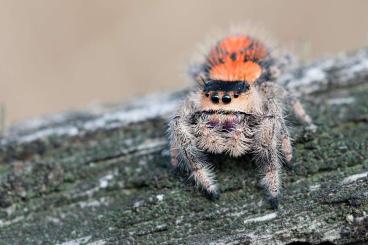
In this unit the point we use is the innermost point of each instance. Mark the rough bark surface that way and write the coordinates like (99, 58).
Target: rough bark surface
(102, 176)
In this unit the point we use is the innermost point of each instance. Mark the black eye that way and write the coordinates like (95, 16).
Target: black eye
(236, 95)
(226, 99)
(207, 94)
(215, 98)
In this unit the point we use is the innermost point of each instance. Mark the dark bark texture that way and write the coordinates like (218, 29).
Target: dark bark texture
(102, 175)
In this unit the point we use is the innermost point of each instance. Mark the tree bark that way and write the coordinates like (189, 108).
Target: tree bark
(102, 175)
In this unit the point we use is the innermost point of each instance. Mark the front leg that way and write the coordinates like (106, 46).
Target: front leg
(271, 180)
(267, 158)
(186, 153)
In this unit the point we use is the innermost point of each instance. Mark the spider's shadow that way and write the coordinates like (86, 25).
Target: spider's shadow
(223, 162)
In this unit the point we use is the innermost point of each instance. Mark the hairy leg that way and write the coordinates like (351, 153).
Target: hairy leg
(174, 153)
(301, 114)
(267, 157)
(273, 88)
(210, 139)
(286, 147)
(271, 180)
(191, 157)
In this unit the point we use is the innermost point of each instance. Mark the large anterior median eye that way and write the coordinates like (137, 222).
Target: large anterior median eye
(226, 99)
(215, 98)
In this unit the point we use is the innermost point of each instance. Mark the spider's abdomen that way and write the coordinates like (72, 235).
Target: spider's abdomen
(236, 58)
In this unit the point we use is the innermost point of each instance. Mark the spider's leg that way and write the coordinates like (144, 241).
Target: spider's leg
(174, 153)
(294, 103)
(267, 157)
(192, 158)
(301, 114)
(286, 147)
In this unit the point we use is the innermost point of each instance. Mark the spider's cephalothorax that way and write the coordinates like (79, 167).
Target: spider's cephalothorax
(237, 109)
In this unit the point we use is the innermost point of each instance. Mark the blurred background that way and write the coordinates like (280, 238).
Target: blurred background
(59, 55)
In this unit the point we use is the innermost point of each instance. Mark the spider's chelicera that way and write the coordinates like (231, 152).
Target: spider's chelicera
(235, 109)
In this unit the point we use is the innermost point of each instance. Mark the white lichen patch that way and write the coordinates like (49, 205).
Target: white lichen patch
(161, 227)
(331, 235)
(314, 187)
(341, 101)
(263, 218)
(77, 241)
(93, 203)
(54, 220)
(151, 145)
(151, 106)
(358, 67)
(11, 209)
(350, 218)
(43, 133)
(118, 118)
(353, 178)
(313, 80)
(160, 197)
(237, 214)
(104, 181)
(357, 219)
(98, 242)
(138, 204)
(179, 220)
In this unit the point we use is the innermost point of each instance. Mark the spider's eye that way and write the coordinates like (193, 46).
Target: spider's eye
(226, 99)
(215, 98)
(236, 95)
(207, 94)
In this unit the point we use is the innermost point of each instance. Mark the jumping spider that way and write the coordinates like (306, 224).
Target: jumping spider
(235, 109)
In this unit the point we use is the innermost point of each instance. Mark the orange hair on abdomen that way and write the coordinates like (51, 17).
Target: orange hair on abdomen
(236, 58)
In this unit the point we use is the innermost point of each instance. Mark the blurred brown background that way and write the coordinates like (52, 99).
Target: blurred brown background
(58, 55)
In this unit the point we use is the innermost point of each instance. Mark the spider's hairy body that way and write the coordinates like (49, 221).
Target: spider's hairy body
(236, 109)
(218, 133)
